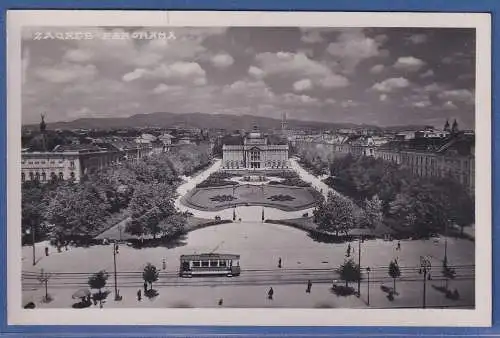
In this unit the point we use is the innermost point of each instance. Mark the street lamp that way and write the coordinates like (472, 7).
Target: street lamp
(115, 252)
(31, 230)
(425, 267)
(368, 288)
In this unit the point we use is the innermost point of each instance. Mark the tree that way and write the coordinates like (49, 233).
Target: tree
(98, 281)
(349, 272)
(150, 274)
(394, 272)
(448, 273)
(33, 207)
(336, 215)
(373, 210)
(75, 210)
(150, 205)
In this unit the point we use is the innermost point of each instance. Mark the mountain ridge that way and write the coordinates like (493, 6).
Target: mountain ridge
(202, 121)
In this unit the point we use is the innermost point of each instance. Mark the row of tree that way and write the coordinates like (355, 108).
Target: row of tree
(389, 193)
(144, 189)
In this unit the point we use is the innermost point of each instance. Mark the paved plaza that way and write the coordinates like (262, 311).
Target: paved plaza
(260, 246)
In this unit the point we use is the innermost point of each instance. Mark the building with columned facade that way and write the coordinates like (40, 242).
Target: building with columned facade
(254, 151)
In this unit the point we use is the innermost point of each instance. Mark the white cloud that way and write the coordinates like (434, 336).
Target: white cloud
(315, 34)
(311, 36)
(330, 101)
(391, 84)
(409, 63)
(417, 38)
(383, 97)
(222, 60)
(134, 75)
(421, 104)
(349, 103)
(66, 72)
(298, 65)
(462, 95)
(293, 99)
(163, 88)
(302, 85)
(433, 87)
(78, 55)
(426, 74)
(295, 64)
(256, 72)
(449, 105)
(334, 81)
(377, 69)
(352, 47)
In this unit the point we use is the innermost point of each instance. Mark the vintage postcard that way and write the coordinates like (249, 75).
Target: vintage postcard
(244, 168)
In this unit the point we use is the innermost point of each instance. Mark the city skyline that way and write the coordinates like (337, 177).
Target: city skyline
(375, 76)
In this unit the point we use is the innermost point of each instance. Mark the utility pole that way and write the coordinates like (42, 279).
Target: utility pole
(115, 249)
(368, 288)
(359, 265)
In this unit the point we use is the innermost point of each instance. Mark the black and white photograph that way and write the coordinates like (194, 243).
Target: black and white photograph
(250, 167)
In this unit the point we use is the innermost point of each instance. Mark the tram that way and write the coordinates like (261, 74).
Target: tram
(209, 264)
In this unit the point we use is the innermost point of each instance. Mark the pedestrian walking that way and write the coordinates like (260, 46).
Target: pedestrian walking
(145, 287)
(46, 251)
(221, 301)
(348, 254)
(399, 246)
(164, 264)
(279, 263)
(309, 285)
(139, 295)
(270, 293)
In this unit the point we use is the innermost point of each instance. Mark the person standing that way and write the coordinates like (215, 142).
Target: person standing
(399, 246)
(164, 264)
(309, 285)
(145, 287)
(348, 254)
(139, 295)
(270, 293)
(279, 263)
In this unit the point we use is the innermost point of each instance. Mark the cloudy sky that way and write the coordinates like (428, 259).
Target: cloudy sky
(376, 76)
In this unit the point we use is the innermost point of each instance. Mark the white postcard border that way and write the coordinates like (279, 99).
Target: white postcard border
(480, 316)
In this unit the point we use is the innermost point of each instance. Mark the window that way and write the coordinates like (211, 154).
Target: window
(44, 177)
(214, 263)
(53, 176)
(204, 263)
(72, 164)
(37, 176)
(61, 176)
(32, 176)
(222, 263)
(196, 264)
(72, 175)
(23, 177)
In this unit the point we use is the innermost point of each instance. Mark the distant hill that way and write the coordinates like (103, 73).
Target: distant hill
(194, 120)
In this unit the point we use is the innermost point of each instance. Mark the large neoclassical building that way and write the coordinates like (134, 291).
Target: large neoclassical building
(254, 151)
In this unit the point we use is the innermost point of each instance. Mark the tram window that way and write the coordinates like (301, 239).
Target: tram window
(204, 263)
(222, 263)
(213, 263)
(196, 264)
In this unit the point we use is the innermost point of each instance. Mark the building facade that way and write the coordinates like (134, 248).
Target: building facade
(254, 151)
(66, 163)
